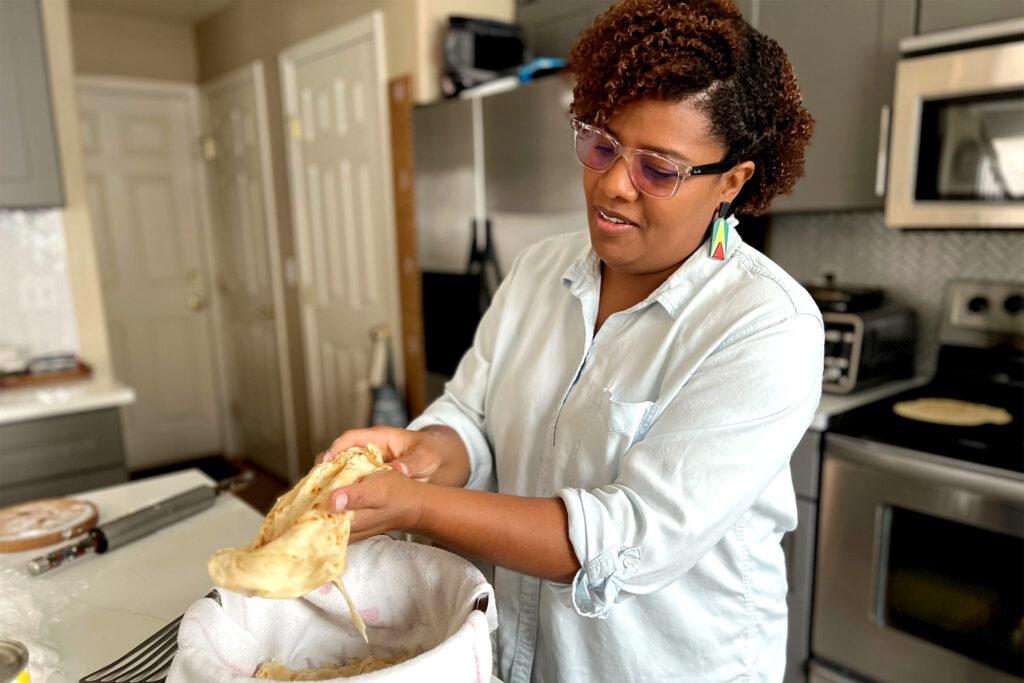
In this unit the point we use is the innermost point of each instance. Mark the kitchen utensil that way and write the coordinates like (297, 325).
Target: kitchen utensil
(147, 661)
(135, 525)
(44, 522)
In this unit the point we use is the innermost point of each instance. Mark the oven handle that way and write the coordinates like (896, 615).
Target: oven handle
(1006, 485)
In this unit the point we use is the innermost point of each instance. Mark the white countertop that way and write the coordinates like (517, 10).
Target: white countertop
(833, 404)
(110, 603)
(61, 398)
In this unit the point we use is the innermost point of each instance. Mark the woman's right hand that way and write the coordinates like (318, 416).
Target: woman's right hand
(418, 454)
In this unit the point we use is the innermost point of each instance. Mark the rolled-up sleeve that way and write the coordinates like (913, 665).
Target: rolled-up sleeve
(463, 404)
(708, 456)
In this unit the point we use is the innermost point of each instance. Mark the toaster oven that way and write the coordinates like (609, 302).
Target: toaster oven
(867, 339)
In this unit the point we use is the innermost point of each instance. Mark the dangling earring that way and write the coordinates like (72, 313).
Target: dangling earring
(719, 234)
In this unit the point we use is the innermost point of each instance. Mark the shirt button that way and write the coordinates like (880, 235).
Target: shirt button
(629, 562)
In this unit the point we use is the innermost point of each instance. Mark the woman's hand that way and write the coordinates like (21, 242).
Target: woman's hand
(382, 501)
(434, 453)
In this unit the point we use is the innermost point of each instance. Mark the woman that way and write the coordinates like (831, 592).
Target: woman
(632, 399)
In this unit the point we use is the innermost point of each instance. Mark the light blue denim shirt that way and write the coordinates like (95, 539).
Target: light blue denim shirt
(668, 436)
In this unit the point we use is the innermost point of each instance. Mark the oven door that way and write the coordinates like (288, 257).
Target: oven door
(957, 140)
(919, 567)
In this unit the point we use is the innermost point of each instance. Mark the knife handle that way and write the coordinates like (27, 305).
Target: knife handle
(135, 525)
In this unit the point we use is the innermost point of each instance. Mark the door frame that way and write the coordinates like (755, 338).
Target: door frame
(253, 72)
(203, 215)
(370, 25)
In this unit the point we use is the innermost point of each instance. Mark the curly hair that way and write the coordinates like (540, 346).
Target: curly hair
(702, 51)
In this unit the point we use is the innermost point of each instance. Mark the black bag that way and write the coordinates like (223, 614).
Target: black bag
(453, 304)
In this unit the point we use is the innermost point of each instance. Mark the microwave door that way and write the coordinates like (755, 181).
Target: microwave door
(956, 146)
(981, 151)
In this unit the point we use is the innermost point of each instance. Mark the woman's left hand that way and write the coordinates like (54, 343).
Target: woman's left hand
(383, 501)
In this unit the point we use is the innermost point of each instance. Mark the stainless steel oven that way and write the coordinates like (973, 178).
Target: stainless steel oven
(920, 568)
(956, 142)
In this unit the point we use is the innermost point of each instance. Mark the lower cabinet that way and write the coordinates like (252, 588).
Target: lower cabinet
(798, 545)
(56, 456)
(799, 548)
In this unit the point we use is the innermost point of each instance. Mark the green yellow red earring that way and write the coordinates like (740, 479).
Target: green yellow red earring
(720, 234)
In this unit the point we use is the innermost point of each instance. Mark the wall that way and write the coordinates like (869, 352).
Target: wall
(82, 271)
(911, 265)
(138, 47)
(36, 313)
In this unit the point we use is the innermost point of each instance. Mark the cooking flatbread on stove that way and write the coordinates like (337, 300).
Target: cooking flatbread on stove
(948, 411)
(301, 544)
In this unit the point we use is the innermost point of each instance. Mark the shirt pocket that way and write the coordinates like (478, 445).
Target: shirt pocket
(614, 427)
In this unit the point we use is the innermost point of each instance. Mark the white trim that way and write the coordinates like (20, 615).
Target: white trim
(253, 73)
(386, 182)
(370, 26)
(190, 91)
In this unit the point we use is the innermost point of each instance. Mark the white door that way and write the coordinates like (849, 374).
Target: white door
(237, 149)
(339, 156)
(143, 178)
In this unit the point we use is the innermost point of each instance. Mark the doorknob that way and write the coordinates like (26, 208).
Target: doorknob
(265, 312)
(196, 302)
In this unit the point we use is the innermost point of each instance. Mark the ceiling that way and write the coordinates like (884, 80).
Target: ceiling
(184, 11)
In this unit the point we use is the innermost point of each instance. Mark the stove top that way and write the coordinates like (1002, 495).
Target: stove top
(1000, 446)
(981, 362)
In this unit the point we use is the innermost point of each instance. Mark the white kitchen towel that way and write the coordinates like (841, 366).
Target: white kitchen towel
(415, 599)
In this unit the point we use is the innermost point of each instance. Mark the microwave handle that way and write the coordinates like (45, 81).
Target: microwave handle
(881, 163)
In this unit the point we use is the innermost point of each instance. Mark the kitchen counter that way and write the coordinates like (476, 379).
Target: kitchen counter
(61, 398)
(104, 605)
(833, 404)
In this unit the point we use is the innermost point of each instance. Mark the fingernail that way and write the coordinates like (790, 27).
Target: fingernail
(340, 501)
(328, 456)
(403, 468)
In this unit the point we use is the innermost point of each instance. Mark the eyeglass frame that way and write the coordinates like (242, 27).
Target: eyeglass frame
(683, 169)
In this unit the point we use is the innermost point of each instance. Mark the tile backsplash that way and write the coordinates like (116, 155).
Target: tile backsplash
(912, 266)
(36, 311)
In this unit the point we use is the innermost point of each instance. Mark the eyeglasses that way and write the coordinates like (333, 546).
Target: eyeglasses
(653, 173)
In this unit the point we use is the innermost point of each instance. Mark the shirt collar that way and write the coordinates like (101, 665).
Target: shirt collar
(584, 274)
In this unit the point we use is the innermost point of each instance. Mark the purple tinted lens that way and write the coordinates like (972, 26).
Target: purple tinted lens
(654, 175)
(595, 150)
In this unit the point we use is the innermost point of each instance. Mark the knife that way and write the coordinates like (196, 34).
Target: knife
(133, 526)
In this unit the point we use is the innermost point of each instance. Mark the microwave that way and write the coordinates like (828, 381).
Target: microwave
(956, 138)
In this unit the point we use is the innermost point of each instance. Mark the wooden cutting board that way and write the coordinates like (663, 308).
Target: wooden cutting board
(44, 522)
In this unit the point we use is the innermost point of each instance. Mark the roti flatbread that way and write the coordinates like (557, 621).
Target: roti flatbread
(301, 544)
(279, 672)
(948, 411)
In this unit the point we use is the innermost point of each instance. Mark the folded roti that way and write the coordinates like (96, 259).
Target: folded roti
(301, 544)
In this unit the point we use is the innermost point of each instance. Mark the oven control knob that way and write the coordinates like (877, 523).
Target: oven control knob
(978, 304)
(1014, 304)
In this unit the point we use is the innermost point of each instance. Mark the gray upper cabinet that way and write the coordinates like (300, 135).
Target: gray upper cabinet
(844, 53)
(29, 168)
(550, 27)
(938, 15)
